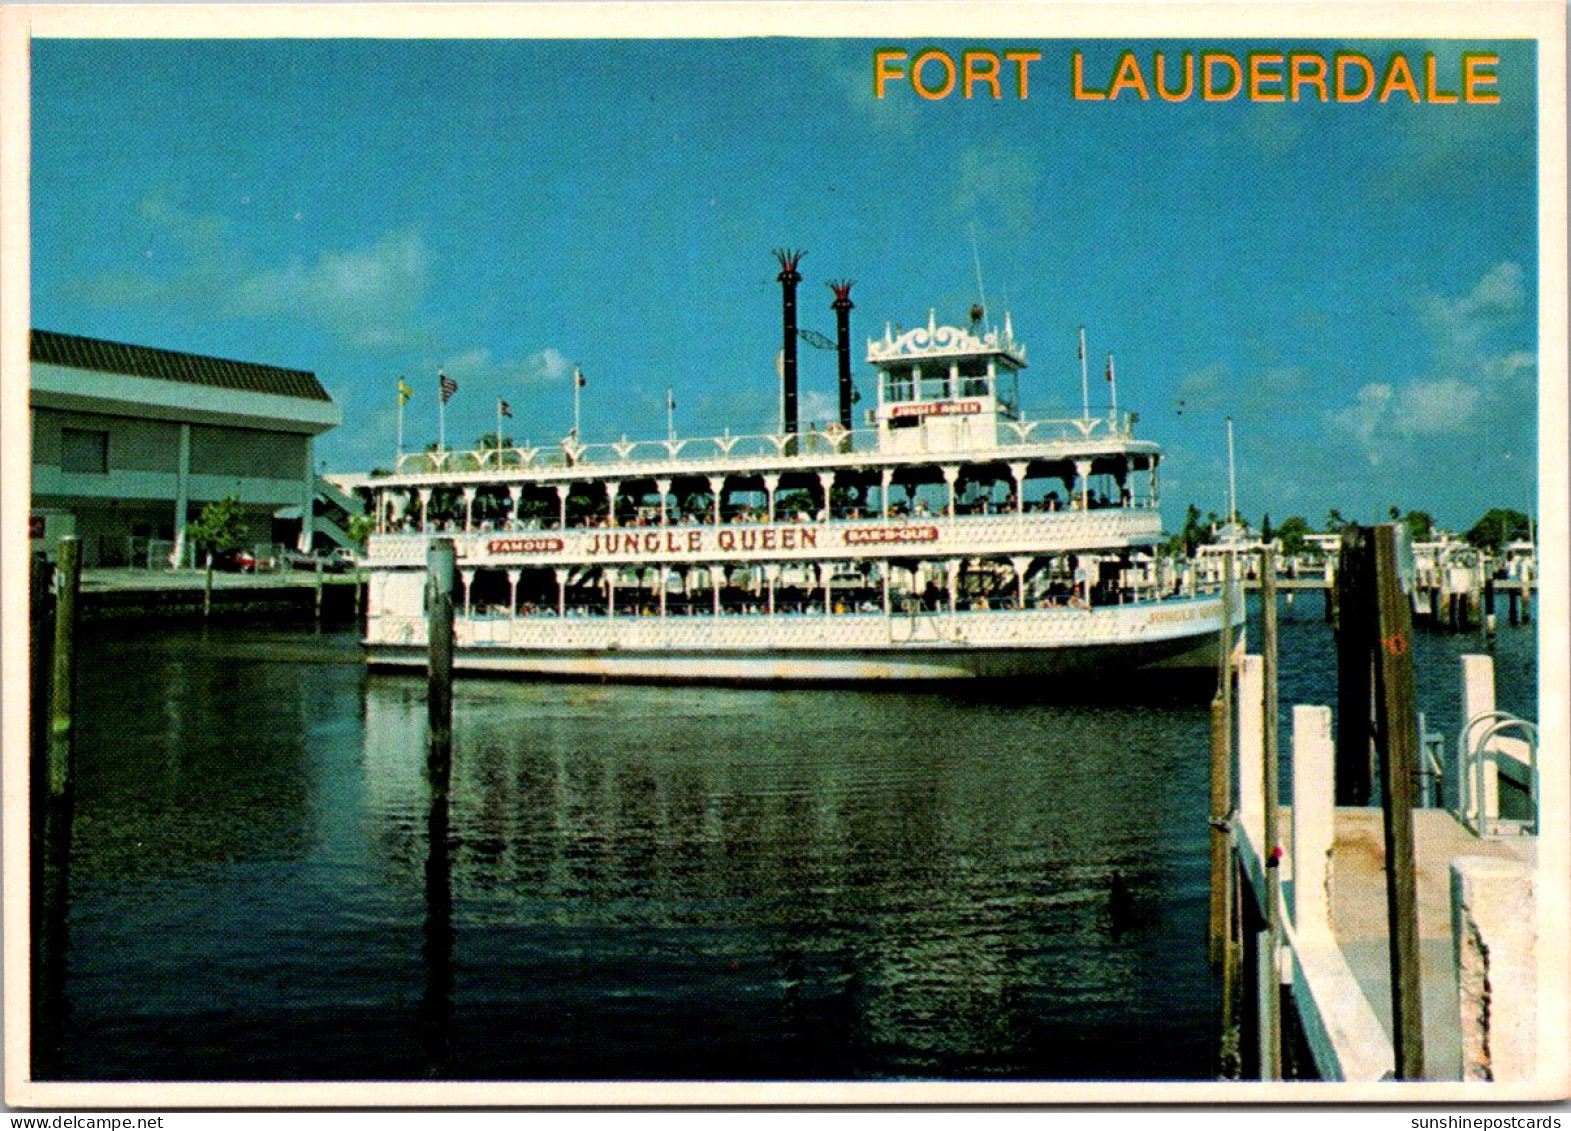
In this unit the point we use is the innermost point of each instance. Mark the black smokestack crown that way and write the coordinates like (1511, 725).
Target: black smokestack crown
(842, 307)
(789, 277)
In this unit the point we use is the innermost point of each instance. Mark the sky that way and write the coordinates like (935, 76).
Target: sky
(1354, 284)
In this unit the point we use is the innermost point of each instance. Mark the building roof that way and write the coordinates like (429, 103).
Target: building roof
(166, 365)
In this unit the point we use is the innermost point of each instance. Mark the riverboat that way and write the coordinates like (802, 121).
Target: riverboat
(947, 538)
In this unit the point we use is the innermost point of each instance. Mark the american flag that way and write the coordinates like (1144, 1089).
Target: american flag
(449, 386)
(579, 375)
(504, 408)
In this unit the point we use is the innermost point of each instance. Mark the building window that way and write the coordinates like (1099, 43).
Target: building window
(83, 450)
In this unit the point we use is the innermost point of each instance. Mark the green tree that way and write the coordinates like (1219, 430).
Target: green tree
(221, 526)
(1420, 525)
(1265, 528)
(1499, 526)
(488, 441)
(1292, 532)
(1335, 523)
(359, 529)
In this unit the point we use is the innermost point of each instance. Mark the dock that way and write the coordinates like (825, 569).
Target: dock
(1475, 865)
(180, 593)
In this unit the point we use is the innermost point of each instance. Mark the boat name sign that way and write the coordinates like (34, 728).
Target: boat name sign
(697, 543)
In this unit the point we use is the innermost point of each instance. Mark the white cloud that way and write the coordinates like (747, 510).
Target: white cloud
(997, 180)
(366, 296)
(1470, 389)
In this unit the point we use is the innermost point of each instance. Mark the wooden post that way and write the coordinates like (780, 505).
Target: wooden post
(440, 561)
(1222, 782)
(1271, 1017)
(62, 686)
(1396, 723)
(1514, 607)
(1354, 782)
(40, 638)
(207, 588)
(318, 605)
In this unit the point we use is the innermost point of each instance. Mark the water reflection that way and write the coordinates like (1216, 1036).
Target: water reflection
(911, 901)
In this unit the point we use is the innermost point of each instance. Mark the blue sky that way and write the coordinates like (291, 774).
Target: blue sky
(1355, 284)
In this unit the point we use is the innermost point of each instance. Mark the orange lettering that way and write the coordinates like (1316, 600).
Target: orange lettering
(1128, 75)
(1399, 76)
(1259, 75)
(1343, 92)
(1022, 61)
(921, 61)
(1314, 75)
(1077, 63)
(1208, 63)
(1473, 78)
(1189, 79)
(1433, 95)
(882, 71)
(970, 65)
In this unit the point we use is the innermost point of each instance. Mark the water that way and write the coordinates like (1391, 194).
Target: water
(640, 882)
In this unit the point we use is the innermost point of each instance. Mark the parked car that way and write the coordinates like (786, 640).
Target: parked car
(235, 561)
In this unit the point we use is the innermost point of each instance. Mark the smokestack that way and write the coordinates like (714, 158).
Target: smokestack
(789, 277)
(842, 307)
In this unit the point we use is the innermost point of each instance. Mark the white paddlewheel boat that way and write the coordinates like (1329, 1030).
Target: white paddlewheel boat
(949, 539)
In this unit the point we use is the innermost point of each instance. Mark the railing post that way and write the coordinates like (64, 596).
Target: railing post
(1314, 819)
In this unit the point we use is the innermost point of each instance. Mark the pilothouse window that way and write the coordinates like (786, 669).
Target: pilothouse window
(898, 385)
(973, 378)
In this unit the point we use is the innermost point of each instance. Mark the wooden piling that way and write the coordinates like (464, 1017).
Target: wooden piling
(41, 611)
(317, 611)
(1222, 782)
(1271, 989)
(207, 588)
(1514, 607)
(440, 567)
(1354, 780)
(62, 686)
(1396, 724)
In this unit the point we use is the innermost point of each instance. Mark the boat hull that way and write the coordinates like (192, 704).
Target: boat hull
(833, 650)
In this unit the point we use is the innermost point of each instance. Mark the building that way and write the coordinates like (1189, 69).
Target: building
(130, 442)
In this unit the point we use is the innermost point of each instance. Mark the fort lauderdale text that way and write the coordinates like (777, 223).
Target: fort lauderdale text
(1469, 78)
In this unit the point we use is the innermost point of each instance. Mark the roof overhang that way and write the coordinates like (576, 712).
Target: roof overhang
(115, 394)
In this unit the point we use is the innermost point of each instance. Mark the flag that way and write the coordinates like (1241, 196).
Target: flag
(504, 408)
(449, 386)
(1082, 343)
(578, 375)
(670, 400)
(1110, 368)
(404, 392)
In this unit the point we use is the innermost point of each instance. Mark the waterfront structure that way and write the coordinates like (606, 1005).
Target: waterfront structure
(129, 442)
(951, 537)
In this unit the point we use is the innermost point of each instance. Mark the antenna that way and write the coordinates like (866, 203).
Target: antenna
(1232, 484)
(976, 260)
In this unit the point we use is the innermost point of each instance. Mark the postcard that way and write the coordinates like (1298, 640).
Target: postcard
(611, 554)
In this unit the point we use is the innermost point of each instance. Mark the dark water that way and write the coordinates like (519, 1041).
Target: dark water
(639, 882)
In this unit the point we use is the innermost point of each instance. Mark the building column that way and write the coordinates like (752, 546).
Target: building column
(613, 487)
(1156, 498)
(826, 479)
(886, 479)
(609, 577)
(664, 487)
(954, 585)
(182, 495)
(771, 575)
(714, 583)
(515, 495)
(717, 489)
(512, 592)
(771, 485)
(561, 591)
(1083, 477)
(308, 499)
(1017, 471)
(883, 569)
(466, 578)
(562, 490)
(425, 507)
(951, 476)
(1021, 562)
(826, 575)
(469, 508)
(665, 583)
